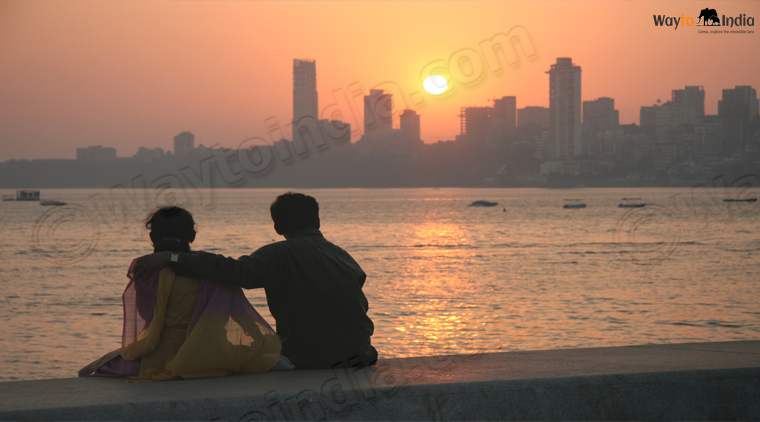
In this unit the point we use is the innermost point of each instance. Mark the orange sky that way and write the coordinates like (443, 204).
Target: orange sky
(135, 73)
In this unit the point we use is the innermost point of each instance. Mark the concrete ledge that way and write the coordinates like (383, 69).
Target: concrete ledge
(696, 381)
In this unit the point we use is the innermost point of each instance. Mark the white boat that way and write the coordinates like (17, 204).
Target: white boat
(631, 203)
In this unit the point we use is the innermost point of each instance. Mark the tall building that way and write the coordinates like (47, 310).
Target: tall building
(648, 116)
(410, 125)
(532, 116)
(708, 137)
(738, 108)
(505, 112)
(184, 143)
(378, 112)
(685, 107)
(379, 135)
(305, 103)
(600, 114)
(692, 97)
(474, 123)
(565, 109)
(602, 136)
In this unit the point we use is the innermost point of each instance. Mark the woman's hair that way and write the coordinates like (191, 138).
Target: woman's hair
(171, 229)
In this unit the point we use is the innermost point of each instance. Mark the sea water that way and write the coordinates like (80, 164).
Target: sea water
(442, 277)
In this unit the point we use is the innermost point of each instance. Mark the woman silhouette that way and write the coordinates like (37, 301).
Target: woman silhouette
(178, 327)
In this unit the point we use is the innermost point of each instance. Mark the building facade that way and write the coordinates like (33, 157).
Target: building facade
(378, 112)
(532, 116)
(600, 114)
(565, 135)
(305, 97)
(505, 112)
(410, 125)
(474, 123)
(184, 143)
(96, 153)
(692, 98)
(738, 108)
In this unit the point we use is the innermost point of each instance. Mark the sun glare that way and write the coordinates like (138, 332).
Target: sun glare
(435, 85)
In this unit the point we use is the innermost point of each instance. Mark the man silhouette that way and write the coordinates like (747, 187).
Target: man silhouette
(313, 287)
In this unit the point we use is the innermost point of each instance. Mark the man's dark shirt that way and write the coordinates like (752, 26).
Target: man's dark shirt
(314, 292)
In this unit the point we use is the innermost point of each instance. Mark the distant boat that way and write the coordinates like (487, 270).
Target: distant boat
(631, 203)
(740, 200)
(52, 202)
(574, 204)
(24, 195)
(483, 204)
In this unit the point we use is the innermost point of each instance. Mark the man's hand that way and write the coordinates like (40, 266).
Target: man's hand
(147, 264)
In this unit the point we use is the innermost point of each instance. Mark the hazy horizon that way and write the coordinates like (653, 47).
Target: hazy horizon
(131, 74)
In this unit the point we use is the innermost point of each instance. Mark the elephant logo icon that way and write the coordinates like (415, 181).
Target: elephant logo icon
(708, 17)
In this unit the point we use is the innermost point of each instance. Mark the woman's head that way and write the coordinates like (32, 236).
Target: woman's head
(171, 229)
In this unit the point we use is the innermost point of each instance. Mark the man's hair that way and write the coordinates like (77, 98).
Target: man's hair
(293, 212)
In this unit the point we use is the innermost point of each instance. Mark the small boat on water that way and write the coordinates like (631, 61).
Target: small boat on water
(52, 202)
(483, 204)
(27, 195)
(574, 204)
(23, 195)
(740, 200)
(631, 203)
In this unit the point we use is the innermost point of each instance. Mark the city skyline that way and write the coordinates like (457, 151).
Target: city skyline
(77, 77)
(575, 136)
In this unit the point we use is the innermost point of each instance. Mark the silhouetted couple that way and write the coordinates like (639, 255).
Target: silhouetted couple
(186, 316)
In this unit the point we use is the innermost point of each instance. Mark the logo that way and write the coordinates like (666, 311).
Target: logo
(707, 17)
(710, 18)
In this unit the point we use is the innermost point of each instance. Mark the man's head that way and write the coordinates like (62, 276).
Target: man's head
(293, 212)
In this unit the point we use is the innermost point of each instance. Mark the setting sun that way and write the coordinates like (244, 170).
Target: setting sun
(435, 85)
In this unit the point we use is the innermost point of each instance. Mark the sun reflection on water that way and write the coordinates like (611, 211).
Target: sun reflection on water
(442, 277)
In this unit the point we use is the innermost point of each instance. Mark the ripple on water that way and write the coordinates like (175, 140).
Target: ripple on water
(441, 279)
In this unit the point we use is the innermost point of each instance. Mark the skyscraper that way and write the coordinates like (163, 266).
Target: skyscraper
(304, 92)
(505, 112)
(184, 143)
(379, 134)
(648, 116)
(691, 97)
(378, 112)
(532, 116)
(600, 114)
(410, 125)
(601, 128)
(738, 108)
(564, 109)
(474, 123)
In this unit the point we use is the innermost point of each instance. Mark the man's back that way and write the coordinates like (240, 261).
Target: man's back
(315, 295)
